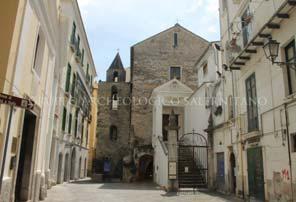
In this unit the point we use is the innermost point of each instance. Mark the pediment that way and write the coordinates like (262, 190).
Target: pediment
(173, 87)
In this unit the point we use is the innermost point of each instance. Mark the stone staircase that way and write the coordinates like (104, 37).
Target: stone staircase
(189, 173)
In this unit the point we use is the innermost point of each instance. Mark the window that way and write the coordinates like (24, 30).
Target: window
(293, 138)
(73, 85)
(78, 42)
(64, 119)
(175, 73)
(73, 33)
(82, 57)
(175, 40)
(68, 78)
(115, 76)
(246, 26)
(70, 123)
(114, 97)
(205, 69)
(290, 53)
(82, 130)
(76, 122)
(38, 55)
(252, 109)
(113, 133)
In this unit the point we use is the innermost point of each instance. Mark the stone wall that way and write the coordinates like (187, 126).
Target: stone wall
(150, 67)
(107, 117)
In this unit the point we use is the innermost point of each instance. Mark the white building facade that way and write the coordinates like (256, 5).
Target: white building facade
(254, 153)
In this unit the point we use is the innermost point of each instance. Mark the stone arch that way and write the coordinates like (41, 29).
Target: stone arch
(115, 76)
(145, 167)
(60, 169)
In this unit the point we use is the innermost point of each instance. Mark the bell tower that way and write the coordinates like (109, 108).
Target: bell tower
(116, 71)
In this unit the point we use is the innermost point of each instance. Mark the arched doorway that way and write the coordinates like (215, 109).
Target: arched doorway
(73, 158)
(66, 169)
(145, 170)
(79, 168)
(60, 165)
(85, 167)
(232, 172)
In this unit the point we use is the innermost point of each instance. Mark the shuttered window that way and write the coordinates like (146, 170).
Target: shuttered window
(252, 107)
(68, 78)
(82, 57)
(73, 33)
(73, 85)
(64, 119)
(70, 123)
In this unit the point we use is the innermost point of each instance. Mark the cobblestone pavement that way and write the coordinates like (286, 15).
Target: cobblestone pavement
(85, 191)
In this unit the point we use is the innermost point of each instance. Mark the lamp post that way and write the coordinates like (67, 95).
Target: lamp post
(271, 50)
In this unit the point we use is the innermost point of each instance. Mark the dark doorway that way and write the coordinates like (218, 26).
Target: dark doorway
(24, 171)
(232, 172)
(60, 165)
(79, 168)
(73, 158)
(66, 169)
(146, 167)
(255, 174)
(220, 178)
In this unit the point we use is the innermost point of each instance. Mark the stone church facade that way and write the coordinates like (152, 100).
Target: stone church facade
(171, 54)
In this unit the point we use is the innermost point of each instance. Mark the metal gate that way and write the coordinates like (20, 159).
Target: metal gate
(192, 161)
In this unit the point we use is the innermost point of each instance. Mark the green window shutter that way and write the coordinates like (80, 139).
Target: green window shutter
(73, 85)
(70, 123)
(252, 108)
(76, 122)
(68, 78)
(73, 33)
(64, 119)
(82, 57)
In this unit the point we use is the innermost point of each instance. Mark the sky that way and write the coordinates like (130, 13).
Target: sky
(116, 25)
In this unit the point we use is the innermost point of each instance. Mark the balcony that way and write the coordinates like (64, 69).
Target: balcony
(251, 29)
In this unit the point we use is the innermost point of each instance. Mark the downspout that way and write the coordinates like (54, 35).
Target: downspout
(289, 149)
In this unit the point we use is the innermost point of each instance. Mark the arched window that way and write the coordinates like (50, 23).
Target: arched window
(115, 76)
(114, 97)
(113, 133)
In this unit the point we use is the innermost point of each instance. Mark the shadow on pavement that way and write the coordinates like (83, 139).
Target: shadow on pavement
(130, 186)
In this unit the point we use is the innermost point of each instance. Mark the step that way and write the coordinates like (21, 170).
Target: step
(192, 186)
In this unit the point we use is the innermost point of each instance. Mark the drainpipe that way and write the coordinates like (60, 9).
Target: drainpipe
(289, 149)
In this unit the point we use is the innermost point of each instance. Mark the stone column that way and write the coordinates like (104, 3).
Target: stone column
(172, 153)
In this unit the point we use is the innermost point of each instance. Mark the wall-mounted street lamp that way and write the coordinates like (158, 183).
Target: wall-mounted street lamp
(271, 50)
